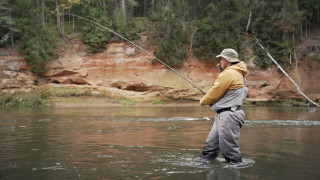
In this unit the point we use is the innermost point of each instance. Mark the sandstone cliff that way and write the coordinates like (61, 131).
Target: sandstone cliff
(123, 69)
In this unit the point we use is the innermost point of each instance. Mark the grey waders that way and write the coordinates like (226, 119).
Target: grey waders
(224, 136)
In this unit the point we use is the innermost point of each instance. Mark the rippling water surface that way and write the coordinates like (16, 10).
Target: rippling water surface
(154, 143)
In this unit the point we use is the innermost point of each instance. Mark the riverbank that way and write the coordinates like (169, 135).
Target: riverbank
(65, 97)
(85, 101)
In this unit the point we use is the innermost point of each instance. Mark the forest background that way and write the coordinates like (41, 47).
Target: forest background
(205, 26)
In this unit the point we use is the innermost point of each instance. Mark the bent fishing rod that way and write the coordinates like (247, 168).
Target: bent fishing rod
(189, 81)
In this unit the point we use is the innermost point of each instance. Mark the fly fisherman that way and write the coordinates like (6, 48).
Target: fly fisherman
(226, 97)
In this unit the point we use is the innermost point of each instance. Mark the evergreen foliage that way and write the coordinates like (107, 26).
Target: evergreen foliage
(276, 25)
(171, 24)
(37, 43)
(5, 19)
(262, 59)
(221, 26)
(121, 23)
(123, 26)
(6, 22)
(93, 35)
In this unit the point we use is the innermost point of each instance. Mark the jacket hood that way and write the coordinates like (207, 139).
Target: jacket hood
(240, 67)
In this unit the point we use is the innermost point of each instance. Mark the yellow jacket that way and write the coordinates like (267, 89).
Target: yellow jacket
(230, 78)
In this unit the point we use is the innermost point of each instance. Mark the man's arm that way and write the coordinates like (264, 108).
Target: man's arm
(220, 86)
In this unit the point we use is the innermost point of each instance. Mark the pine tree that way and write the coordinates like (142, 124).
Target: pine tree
(276, 24)
(123, 19)
(37, 43)
(95, 37)
(171, 23)
(222, 25)
(6, 22)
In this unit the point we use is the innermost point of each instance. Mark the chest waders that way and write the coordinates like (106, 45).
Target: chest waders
(225, 133)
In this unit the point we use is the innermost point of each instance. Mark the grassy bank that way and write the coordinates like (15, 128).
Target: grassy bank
(38, 97)
(34, 98)
(280, 103)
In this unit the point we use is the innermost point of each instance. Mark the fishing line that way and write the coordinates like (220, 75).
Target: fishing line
(140, 49)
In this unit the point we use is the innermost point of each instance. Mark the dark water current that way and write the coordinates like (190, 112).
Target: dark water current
(154, 143)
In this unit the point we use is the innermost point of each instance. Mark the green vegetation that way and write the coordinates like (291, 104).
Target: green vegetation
(128, 101)
(157, 102)
(262, 59)
(34, 98)
(208, 26)
(40, 96)
(221, 25)
(169, 24)
(93, 35)
(274, 103)
(37, 43)
(315, 58)
(67, 92)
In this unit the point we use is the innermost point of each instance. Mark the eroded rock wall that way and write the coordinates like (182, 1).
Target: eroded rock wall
(129, 71)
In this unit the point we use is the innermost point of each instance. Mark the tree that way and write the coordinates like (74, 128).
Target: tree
(37, 43)
(6, 22)
(122, 16)
(61, 7)
(171, 23)
(275, 24)
(221, 25)
(92, 35)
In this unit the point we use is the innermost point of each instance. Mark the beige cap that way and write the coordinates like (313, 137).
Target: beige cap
(230, 55)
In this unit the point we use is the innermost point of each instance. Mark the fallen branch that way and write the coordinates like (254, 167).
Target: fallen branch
(284, 72)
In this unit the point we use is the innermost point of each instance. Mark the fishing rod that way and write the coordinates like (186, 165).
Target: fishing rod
(140, 49)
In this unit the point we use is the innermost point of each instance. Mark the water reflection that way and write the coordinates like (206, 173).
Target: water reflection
(223, 174)
(153, 143)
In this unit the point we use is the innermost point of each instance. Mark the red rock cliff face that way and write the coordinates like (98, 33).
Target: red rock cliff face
(124, 69)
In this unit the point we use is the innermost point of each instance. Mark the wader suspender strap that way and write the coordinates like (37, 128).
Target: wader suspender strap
(244, 85)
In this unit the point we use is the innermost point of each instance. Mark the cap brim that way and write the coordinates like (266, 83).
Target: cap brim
(228, 59)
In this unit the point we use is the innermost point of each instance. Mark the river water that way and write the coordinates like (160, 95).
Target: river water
(154, 143)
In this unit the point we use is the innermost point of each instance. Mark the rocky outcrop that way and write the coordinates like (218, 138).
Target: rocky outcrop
(125, 70)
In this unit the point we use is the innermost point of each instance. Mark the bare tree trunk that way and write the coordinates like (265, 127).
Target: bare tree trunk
(192, 39)
(43, 6)
(58, 17)
(11, 37)
(38, 15)
(196, 9)
(249, 20)
(62, 23)
(69, 19)
(11, 33)
(290, 59)
(293, 38)
(309, 28)
(301, 29)
(145, 8)
(72, 22)
(123, 7)
(306, 29)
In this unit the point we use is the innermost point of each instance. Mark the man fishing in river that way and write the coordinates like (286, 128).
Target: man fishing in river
(226, 97)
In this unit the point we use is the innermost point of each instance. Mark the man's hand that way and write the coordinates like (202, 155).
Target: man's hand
(201, 103)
